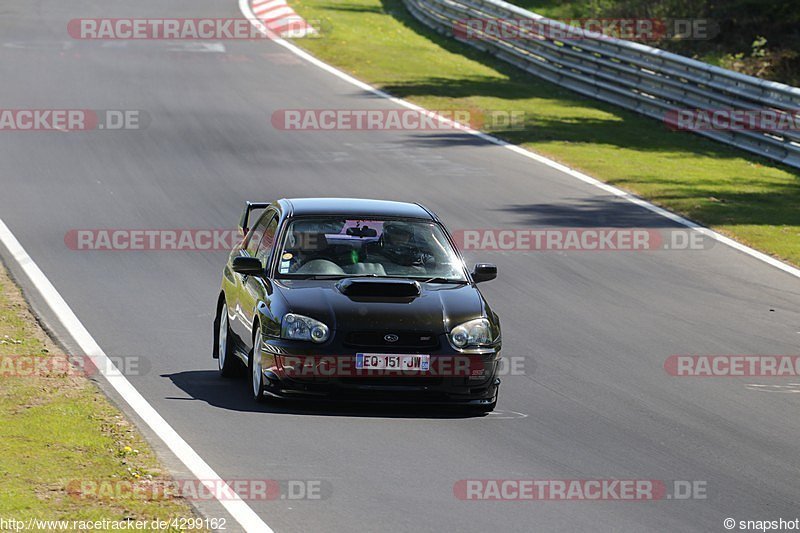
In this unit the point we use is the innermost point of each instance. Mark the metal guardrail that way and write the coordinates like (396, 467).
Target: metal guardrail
(646, 80)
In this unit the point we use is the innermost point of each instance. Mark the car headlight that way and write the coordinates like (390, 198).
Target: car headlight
(474, 333)
(303, 328)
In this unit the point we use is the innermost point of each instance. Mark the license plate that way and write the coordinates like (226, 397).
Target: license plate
(379, 361)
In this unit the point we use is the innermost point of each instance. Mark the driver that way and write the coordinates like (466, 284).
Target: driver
(398, 245)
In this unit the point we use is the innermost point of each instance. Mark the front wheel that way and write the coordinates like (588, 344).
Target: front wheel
(256, 371)
(226, 360)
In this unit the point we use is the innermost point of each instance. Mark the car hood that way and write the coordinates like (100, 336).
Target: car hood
(438, 308)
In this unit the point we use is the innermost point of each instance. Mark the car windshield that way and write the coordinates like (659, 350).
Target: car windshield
(333, 247)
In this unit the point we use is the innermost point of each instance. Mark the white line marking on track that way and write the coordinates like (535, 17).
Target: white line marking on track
(248, 13)
(238, 509)
(505, 415)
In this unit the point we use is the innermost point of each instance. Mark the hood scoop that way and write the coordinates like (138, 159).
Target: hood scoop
(379, 288)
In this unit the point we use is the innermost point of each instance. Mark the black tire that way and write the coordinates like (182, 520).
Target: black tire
(256, 376)
(227, 362)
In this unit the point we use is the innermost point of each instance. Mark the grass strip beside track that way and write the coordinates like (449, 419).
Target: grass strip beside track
(66, 453)
(746, 197)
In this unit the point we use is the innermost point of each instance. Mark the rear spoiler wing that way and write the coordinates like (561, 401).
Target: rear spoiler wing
(244, 222)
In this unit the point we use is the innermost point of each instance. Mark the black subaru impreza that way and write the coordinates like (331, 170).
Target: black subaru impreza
(353, 299)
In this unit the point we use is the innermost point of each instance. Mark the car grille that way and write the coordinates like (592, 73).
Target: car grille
(405, 340)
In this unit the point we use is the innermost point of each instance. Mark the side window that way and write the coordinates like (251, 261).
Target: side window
(254, 238)
(265, 248)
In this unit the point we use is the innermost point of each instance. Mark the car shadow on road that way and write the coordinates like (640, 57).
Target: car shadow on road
(233, 394)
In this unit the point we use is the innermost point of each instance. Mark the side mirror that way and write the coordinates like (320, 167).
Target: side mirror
(248, 266)
(484, 272)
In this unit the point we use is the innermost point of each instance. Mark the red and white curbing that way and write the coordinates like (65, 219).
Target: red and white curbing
(281, 19)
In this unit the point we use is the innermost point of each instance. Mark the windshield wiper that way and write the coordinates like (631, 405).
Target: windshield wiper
(345, 276)
(441, 280)
(312, 276)
(341, 276)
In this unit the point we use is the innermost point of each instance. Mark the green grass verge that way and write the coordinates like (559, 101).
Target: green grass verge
(58, 431)
(747, 197)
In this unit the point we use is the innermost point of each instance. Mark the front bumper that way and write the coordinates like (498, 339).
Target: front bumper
(296, 370)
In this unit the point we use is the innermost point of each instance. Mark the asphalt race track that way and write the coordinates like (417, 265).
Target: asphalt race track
(592, 329)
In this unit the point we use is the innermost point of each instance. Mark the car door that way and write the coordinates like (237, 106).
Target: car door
(256, 291)
(239, 324)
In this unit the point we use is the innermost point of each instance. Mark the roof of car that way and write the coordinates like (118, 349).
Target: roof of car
(356, 207)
